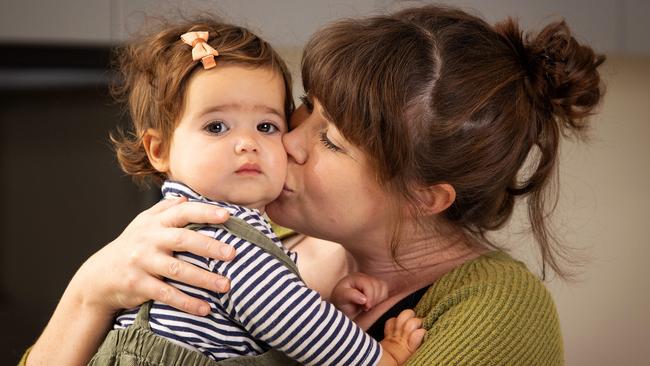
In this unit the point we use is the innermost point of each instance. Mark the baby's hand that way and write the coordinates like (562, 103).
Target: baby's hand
(402, 336)
(358, 292)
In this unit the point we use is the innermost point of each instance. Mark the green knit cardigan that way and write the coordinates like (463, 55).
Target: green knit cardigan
(489, 311)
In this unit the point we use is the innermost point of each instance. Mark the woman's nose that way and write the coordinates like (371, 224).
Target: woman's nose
(296, 140)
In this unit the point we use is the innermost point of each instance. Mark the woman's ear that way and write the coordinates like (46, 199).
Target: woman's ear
(156, 151)
(436, 198)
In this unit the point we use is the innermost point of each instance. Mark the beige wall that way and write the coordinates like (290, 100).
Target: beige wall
(610, 26)
(604, 209)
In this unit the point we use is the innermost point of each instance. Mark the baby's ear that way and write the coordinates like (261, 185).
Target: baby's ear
(156, 150)
(436, 198)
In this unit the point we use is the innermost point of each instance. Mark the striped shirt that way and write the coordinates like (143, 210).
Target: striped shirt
(267, 306)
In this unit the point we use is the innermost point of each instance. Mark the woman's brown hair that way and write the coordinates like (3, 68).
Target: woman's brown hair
(154, 70)
(435, 95)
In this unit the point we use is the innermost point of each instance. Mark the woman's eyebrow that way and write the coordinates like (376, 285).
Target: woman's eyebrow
(324, 113)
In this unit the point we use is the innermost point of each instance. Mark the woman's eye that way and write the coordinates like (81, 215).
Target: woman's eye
(267, 127)
(216, 127)
(306, 101)
(327, 142)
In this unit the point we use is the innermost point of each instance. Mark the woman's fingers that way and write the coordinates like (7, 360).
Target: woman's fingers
(185, 213)
(187, 273)
(162, 205)
(185, 240)
(160, 291)
(149, 243)
(173, 216)
(161, 263)
(142, 256)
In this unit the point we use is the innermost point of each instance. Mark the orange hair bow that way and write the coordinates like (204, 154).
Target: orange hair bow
(201, 50)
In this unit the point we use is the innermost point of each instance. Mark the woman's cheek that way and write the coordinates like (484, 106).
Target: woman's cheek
(330, 183)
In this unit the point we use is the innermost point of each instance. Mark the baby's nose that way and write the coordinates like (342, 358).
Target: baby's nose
(245, 145)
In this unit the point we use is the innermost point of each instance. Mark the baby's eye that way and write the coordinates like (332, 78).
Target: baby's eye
(216, 127)
(267, 127)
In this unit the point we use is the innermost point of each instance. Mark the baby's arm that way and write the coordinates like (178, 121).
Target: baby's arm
(402, 335)
(273, 305)
(358, 292)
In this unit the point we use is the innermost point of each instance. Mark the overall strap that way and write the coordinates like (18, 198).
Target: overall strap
(142, 319)
(247, 232)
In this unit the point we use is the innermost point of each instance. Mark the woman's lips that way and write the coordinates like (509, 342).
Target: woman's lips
(249, 169)
(286, 189)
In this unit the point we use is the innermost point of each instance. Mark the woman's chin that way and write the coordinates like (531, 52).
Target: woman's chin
(275, 211)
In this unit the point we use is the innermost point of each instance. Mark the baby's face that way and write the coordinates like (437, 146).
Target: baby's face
(228, 143)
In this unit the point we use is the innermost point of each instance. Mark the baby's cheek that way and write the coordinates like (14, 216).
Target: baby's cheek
(278, 160)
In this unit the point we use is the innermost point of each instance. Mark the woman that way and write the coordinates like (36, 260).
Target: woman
(419, 131)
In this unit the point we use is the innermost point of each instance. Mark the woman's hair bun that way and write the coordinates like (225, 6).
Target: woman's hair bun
(561, 74)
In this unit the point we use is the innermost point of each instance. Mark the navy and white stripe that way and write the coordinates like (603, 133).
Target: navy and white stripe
(267, 306)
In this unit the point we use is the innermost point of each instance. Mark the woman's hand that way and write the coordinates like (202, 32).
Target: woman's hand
(129, 270)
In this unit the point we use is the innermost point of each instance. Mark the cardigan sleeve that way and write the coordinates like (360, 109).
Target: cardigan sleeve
(23, 360)
(498, 314)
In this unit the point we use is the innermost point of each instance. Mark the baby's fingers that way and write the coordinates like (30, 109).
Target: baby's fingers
(389, 327)
(403, 317)
(412, 324)
(405, 324)
(415, 339)
(376, 292)
(349, 296)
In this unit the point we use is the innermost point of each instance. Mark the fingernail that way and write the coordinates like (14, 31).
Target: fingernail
(226, 251)
(222, 214)
(362, 299)
(205, 310)
(223, 285)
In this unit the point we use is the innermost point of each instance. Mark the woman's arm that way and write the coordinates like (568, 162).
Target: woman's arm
(126, 273)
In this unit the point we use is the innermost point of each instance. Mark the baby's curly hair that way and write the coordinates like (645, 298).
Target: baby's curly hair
(154, 70)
